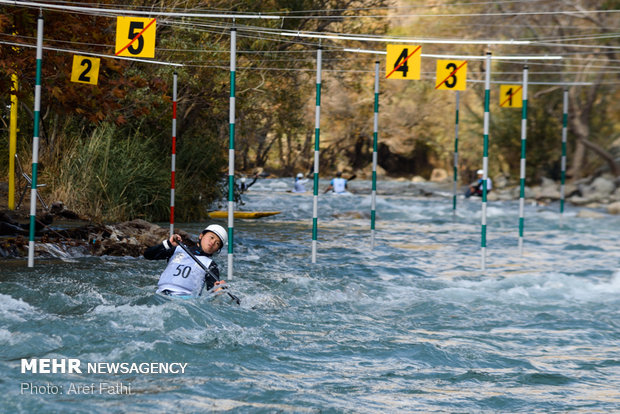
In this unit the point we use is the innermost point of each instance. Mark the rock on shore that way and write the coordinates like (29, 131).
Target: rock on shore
(129, 238)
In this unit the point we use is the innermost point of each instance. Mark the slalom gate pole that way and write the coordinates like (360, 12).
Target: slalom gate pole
(373, 200)
(485, 160)
(35, 139)
(174, 150)
(564, 133)
(231, 153)
(12, 140)
(522, 171)
(456, 153)
(317, 135)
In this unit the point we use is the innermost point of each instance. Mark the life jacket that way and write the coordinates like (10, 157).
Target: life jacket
(299, 187)
(183, 276)
(339, 185)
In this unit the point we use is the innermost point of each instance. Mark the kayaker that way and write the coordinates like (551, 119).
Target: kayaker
(299, 186)
(338, 185)
(475, 188)
(183, 276)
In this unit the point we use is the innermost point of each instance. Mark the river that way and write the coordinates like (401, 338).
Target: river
(412, 325)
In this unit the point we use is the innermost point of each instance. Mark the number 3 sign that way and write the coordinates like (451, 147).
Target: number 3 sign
(451, 75)
(85, 69)
(135, 37)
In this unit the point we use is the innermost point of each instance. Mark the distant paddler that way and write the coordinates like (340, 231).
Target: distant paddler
(300, 184)
(190, 268)
(338, 185)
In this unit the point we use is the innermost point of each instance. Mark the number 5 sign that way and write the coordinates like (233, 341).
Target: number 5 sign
(403, 62)
(135, 37)
(510, 96)
(451, 75)
(85, 69)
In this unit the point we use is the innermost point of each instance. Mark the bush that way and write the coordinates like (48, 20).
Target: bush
(111, 176)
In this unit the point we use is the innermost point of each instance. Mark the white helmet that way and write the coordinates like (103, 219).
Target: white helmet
(480, 172)
(300, 175)
(219, 232)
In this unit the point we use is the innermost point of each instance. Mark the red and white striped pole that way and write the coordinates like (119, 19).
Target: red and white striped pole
(174, 151)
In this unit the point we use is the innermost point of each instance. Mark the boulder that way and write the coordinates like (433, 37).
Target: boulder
(614, 208)
(590, 214)
(493, 196)
(129, 238)
(527, 192)
(548, 190)
(547, 193)
(58, 209)
(570, 189)
(599, 189)
(502, 195)
(501, 181)
(578, 200)
(439, 175)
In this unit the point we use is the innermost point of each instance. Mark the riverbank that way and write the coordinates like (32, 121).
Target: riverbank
(62, 232)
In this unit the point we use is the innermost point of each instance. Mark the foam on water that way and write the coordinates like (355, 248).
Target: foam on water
(413, 325)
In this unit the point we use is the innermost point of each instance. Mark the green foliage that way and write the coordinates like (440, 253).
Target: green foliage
(84, 128)
(112, 175)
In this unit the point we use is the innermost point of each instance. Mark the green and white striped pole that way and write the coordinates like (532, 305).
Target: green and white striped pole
(564, 132)
(317, 135)
(231, 152)
(373, 198)
(485, 160)
(522, 174)
(35, 139)
(456, 153)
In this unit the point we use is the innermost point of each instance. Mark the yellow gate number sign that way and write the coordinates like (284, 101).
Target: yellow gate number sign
(403, 62)
(135, 37)
(510, 96)
(85, 69)
(451, 75)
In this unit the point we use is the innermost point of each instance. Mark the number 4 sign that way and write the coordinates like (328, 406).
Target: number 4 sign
(135, 37)
(85, 69)
(451, 75)
(403, 62)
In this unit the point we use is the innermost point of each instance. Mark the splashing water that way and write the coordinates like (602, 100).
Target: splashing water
(411, 326)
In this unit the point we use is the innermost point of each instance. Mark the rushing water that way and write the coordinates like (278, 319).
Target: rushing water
(411, 326)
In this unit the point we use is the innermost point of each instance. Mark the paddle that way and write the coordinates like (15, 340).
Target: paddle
(209, 273)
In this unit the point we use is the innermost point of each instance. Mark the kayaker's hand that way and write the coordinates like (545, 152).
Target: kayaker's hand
(219, 285)
(175, 240)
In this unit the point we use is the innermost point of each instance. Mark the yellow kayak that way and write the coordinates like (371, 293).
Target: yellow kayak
(243, 214)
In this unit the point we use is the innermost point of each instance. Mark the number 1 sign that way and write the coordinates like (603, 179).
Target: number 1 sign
(510, 96)
(135, 37)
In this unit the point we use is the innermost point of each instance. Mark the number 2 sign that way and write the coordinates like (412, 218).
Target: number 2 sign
(85, 69)
(135, 37)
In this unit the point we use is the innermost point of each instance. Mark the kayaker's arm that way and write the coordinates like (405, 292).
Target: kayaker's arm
(162, 251)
